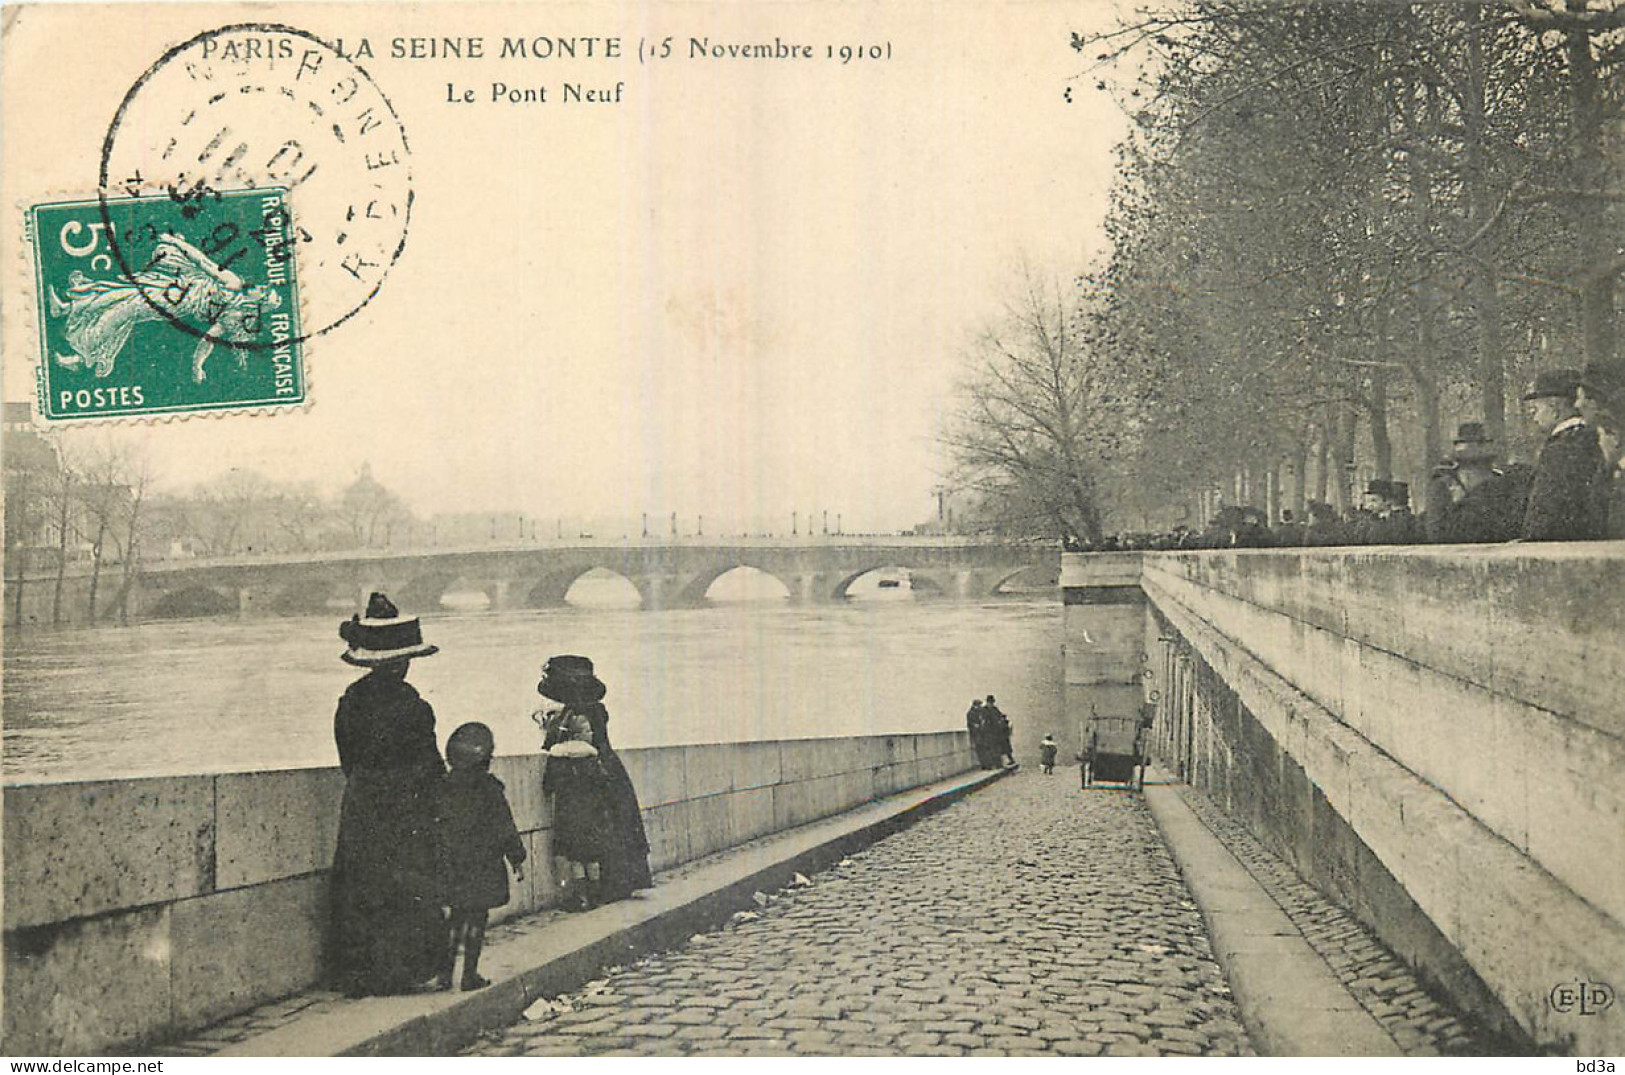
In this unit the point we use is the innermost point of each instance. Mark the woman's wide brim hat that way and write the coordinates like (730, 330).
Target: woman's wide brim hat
(569, 679)
(382, 635)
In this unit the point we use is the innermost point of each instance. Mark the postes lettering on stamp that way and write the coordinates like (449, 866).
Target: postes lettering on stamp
(252, 106)
(201, 313)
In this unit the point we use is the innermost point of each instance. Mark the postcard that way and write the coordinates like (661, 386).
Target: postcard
(672, 529)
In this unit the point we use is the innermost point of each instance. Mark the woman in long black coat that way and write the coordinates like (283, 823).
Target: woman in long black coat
(597, 825)
(387, 926)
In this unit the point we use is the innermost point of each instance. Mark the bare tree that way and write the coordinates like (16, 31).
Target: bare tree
(1038, 419)
(61, 494)
(368, 510)
(225, 509)
(106, 497)
(299, 513)
(138, 483)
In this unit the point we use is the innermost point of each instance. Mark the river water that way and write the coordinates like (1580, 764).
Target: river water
(214, 695)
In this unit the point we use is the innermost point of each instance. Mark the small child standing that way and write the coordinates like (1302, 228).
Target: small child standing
(1046, 754)
(476, 834)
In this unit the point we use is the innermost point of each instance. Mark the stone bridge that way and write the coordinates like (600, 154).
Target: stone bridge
(667, 574)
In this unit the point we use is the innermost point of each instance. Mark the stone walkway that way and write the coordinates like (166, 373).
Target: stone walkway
(1030, 919)
(1423, 1024)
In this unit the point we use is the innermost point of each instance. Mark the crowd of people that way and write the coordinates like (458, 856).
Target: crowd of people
(423, 852)
(1575, 490)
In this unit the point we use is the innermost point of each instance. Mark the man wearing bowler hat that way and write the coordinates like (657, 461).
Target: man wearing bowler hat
(1470, 498)
(1563, 497)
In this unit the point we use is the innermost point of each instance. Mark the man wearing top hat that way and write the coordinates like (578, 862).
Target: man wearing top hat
(1470, 498)
(1385, 518)
(1563, 500)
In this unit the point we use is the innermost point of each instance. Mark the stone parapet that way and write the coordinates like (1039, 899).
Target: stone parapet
(1431, 735)
(137, 909)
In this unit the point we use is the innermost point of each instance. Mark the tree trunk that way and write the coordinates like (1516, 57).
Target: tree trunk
(1597, 279)
(1486, 282)
(1300, 479)
(1344, 461)
(1491, 355)
(18, 520)
(1323, 456)
(63, 512)
(1427, 398)
(21, 555)
(131, 552)
(1382, 445)
(96, 567)
(1423, 363)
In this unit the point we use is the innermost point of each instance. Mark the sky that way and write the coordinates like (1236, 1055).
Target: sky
(743, 290)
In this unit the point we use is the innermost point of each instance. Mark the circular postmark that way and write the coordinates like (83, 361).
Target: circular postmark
(259, 106)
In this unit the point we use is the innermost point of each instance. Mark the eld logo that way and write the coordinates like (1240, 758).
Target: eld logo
(1586, 998)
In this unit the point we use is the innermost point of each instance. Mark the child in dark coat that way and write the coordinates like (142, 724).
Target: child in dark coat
(476, 834)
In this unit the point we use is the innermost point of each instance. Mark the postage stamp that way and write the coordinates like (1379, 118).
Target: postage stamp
(197, 310)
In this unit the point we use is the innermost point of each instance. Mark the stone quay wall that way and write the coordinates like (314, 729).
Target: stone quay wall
(1434, 737)
(136, 909)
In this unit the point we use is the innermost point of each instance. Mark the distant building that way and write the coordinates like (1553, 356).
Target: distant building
(32, 473)
(958, 512)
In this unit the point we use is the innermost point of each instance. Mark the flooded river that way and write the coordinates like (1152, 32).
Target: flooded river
(213, 695)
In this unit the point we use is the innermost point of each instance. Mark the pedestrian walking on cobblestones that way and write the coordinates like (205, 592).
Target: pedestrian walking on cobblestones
(598, 836)
(478, 842)
(1047, 748)
(387, 926)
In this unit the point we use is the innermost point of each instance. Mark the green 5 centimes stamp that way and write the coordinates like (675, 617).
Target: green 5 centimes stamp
(167, 305)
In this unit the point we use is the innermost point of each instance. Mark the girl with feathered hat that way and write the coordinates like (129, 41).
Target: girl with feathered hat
(600, 848)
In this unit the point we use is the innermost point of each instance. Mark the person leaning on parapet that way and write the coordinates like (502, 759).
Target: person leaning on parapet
(1470, 498)
(998, 726)
(1385, 518)
(388, 933)
(1362, 524)
(976, 724)
(1602, 402)
(1289, 532)
(478, 842)
(598, 829)
(1563, 500)
(1400, 526)
(1324, 528)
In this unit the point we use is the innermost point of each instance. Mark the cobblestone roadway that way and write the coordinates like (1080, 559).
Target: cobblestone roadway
(1028, 919)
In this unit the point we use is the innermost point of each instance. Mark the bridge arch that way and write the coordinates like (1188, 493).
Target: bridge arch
(552, 590)
(1039, 577)
(307, 597)
(698, 590)
(423, 592)
(189, 601)
(843, 589)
